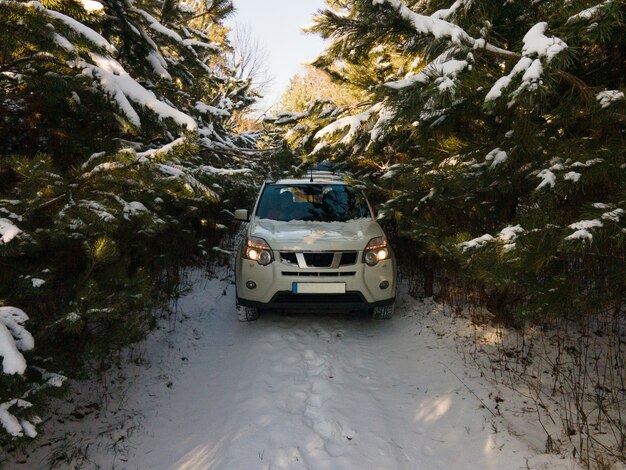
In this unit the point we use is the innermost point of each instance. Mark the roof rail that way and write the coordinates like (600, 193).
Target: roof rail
(329, 175)
(323, 166)
(325, 170)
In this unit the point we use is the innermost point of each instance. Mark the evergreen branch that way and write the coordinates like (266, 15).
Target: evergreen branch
(42, 56)
(44, 204)
(584, 89)
(237, 152)
(497, 52)
(194, 17)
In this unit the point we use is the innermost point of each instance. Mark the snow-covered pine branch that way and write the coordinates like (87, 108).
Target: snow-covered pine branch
(537, 49)
(8, 230)
(120, 87)
(14, 338)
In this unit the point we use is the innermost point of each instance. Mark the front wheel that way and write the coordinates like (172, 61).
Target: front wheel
(382, 313)
(247, 313)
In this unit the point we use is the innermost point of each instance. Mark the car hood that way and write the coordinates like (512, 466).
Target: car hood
(298, 235)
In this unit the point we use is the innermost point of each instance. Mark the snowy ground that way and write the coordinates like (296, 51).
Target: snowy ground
(292, 391)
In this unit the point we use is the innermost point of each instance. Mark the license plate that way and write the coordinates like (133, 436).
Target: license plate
(318, 288)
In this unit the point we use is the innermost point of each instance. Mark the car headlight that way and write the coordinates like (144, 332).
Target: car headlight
(376, 250)
(258, 250)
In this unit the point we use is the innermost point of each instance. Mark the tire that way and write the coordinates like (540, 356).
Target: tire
(247, 313)
(383, 313)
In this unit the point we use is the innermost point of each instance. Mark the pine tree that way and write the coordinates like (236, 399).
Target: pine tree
(118, 157)
(496, 131)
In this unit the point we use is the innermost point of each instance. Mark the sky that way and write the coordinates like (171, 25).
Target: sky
(276, 26)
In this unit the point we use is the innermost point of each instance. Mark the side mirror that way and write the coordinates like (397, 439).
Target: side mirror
(242, 215)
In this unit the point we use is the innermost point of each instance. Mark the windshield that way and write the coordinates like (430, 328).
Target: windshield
(312, 202)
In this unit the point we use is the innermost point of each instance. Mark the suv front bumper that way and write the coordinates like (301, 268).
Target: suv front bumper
(274, 284)
(288, 300)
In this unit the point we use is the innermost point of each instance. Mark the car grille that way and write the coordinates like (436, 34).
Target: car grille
(289, 257)
(348, 258)
(321, 259)
(319, 274)
(287, 297)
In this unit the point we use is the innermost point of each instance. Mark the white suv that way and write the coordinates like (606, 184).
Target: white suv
(312, 243)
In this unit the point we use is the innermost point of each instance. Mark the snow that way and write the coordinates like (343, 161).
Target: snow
(121, 87)
(548, 179)
(353, 122)
(222, 251)
(585, 224)
(191, 183)
(224, 171)
(446, 13)
(433, 26)
(63, 42)
(439, 67)
(28, 428)
(159, 65)
(72, 317)
(13, 361)
(77, 26)
(286, 117)
(510, 233)
(51, 379)
(572, 176)
(106, 166)
(496, 157)
(580, 235)
(534, 72)
(430, 195)
(8, 231)
(436, 26)
(614, 215)
(536, 42)
(607, 97)
(385, 116)
(297, 391)
(503, 82)
(10, 422)
(582, 229)
(134, 208)
(507, 236)
(476, 242)
(91, 5)
(36, 282)
(165, 149)
(587, 164)
(590, 12)
(205, 108)
(206, 45)
(98, 209)
(13, 339)
(158, 27)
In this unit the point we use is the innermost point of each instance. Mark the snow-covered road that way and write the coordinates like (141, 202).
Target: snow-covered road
(308, 391)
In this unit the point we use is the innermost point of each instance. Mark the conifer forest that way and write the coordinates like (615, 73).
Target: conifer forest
(490, 136)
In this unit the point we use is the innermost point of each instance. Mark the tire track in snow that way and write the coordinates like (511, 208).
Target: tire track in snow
(312, 410)
(307, 392)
